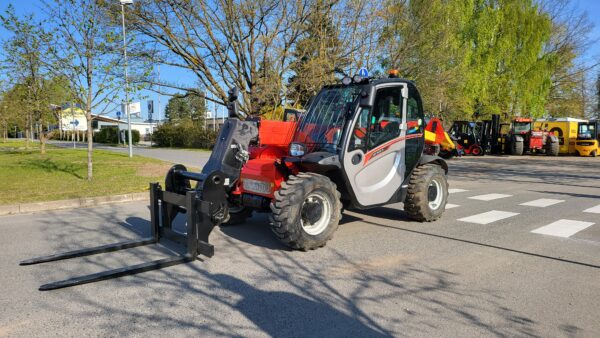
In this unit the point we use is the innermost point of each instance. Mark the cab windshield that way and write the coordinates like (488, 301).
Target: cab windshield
(522, 127)
(321, 127)
(586, 131)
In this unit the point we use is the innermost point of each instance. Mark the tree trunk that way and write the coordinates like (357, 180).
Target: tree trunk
(43, 140)
(27, 134)
(89, 145)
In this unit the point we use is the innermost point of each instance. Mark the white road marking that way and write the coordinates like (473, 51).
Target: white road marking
(489, 197)
(542, 202)
(488, 217)
(450, 205)
(563, 228)
(455, 190)
(593, 210)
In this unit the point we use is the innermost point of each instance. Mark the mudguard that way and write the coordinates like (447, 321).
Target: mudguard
(434, 159)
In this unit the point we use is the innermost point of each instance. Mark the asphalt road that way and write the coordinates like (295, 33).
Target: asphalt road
(490, 267)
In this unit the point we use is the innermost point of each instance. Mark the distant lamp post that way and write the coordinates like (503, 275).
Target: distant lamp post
(123, 3)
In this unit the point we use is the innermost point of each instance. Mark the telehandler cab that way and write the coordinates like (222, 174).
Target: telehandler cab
(359, 144)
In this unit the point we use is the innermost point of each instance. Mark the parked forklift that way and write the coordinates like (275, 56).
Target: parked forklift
(468, 137)
(588, 138)
(523, 138)
(359, 144)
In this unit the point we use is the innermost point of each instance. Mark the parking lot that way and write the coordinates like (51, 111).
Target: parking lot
(517, 253)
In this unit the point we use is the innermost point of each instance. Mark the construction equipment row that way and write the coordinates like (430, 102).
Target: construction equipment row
(524, 136)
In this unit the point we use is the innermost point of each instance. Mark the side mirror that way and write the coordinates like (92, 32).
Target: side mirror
(367, 96)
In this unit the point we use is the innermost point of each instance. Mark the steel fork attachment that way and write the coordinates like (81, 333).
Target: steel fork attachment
(205, 207)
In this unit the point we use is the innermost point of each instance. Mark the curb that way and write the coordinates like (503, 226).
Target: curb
(26, 208)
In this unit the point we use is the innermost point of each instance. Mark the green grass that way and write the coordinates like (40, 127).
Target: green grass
(28, 176)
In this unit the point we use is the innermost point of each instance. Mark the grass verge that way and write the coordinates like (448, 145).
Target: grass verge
(27, 176)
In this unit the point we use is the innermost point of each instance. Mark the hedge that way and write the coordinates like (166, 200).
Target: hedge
(110, 135)
(185, 134)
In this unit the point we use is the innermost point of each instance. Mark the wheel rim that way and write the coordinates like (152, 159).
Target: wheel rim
(434, 194)
(315, 213)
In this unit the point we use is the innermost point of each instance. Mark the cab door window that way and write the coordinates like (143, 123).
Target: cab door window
(386, 117)
(358, 139)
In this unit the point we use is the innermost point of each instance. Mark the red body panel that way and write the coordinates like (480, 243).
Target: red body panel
(536, 140)
(274, 140)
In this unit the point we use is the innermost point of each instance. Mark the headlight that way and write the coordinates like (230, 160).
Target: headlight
(297, 149)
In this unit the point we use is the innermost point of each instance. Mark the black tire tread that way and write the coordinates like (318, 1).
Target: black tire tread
(416, 203)
(552, 148)
(285, 212)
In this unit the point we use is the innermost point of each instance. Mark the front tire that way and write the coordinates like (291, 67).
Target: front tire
(552, 148)
(427, 193)
(516, 148)
(306, 211)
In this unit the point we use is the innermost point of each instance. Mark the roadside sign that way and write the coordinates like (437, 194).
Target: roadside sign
(118, 115)
(363, 72)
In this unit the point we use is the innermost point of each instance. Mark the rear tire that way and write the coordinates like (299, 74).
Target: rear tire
(593, 153)
(306, 211)
(477, 151)
(422, 203)
(552, 148)
(516, 148)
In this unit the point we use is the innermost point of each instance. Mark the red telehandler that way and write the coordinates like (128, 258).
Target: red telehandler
(359, 144)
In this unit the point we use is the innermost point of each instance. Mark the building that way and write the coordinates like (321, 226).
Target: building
(75, 120)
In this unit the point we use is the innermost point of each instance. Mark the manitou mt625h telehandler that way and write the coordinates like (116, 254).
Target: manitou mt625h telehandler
(359, 144)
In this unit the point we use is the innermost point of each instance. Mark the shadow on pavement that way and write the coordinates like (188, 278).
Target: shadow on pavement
(254, 288)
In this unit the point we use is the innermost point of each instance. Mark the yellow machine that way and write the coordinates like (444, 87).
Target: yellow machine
(588, 138)
(565, 128)
(438, 140)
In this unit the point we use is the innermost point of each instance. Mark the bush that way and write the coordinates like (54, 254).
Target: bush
(110, 135)
(107, 135)
(186, 134)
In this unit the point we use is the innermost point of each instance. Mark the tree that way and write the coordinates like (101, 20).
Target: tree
(568, 40)
(224, 43)
(424, 40)
(27, 71)
(84, 53)
(598, 96)
(185, 107)
(318, 54)
(484, 57)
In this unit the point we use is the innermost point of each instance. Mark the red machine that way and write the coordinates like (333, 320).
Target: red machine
(523, 138)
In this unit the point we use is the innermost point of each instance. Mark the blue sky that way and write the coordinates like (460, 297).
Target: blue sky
(592, 55)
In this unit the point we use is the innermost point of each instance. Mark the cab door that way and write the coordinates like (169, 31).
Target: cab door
(374, 151)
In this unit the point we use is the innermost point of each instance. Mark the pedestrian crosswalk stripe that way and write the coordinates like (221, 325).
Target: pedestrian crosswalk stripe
(450, 205)
(455, 190)
(593, 210)
(563, 228)
(542, 202)
(488, 217)
(489, 197)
